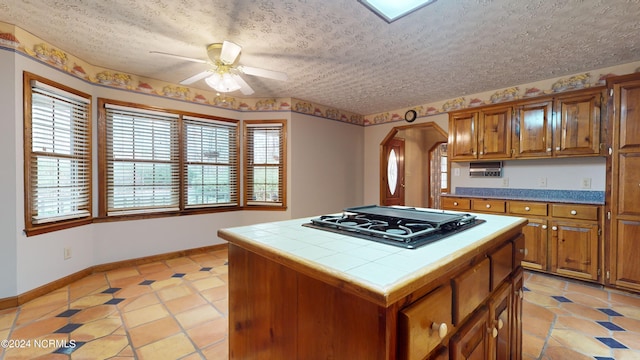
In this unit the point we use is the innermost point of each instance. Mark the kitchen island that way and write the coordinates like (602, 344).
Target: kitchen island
(302, 293)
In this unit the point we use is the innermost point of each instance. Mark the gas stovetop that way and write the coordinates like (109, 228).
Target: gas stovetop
(404, 227)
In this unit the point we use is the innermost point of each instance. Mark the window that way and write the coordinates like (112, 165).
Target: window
(439, 173)
(142, 160)
(211, 163)
(155, 161)
(57, 155)
(265, 159)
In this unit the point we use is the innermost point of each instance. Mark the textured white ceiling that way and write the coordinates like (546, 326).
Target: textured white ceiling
(338, 53)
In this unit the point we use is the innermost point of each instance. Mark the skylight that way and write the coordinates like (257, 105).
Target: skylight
(392, 10)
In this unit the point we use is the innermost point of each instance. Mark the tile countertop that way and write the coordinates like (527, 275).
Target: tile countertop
(374, 268)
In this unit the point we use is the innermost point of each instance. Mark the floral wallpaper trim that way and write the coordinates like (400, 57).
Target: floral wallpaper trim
(15, 39)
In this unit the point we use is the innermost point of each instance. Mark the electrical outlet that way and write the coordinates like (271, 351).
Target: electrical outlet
(67, 253)
(542, 182)
(586, 183)
(456, 172)
(505, 182)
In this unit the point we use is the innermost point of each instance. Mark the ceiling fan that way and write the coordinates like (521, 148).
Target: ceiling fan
(224, 74)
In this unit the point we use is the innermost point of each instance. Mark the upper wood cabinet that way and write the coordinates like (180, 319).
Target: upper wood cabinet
(463, 141)
(550, 126)
(533, 136)
(577, 123)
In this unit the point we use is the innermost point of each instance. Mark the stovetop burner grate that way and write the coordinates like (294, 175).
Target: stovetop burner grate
(404, 227)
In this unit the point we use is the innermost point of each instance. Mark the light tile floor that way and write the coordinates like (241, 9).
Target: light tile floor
(177, 309)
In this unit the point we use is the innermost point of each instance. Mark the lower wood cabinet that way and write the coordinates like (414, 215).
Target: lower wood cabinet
(563, 239)
(472, 341)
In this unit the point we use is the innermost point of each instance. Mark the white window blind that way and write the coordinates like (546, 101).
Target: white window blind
(211, 163)
(264, 164)
(143, 172)
(60, 155)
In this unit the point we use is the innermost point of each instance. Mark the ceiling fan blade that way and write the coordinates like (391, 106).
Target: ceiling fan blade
(229, 52)
(244, 87)
(179, 57)
(270, 74)
(196, 77)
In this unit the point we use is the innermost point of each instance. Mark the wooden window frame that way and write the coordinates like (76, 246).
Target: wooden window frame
(182, 208)
(31, 226)
(283, 156)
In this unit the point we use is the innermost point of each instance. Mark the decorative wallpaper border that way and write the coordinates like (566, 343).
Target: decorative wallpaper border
(16, 39)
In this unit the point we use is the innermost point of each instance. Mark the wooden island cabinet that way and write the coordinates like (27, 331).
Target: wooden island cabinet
(456, 298)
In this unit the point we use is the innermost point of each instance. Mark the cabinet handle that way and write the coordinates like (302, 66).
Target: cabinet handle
(526, 208)
(544, 227)
(441, 329)
(455, 203)
(558, 148)
(573, 212)
(524, 251)
(488, 206)
(554, 228)
(481, 152)
(494, 332)
(500, 324)
(548, 149)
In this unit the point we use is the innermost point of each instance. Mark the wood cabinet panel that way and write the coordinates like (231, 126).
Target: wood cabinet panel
(422, 324)
(535, 238)
(577, 123)
(459, 204)
(463, 140)
(528, 208)
(516, 320)
(626, 246)
(574, 249)
(500, 317)
(533, 132)
(628, 110)
(501, 264)
(470, 289)
(472, 341)
(488, 205)
(494, 133)
(574, 211)
(629, 184)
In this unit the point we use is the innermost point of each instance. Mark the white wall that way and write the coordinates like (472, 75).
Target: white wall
(328, 170)
(9, 100)
(29, 262)
(560, 174)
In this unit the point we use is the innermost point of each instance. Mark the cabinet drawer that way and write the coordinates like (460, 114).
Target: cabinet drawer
(455, 203)
(423, 322)
(583, 212)
(470, 289)
(493, 206)
(501, 264)
(527, 208)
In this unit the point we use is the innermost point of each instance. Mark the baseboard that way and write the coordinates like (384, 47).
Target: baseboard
(15, 301)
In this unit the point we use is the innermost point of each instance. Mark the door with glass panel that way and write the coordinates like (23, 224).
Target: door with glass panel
(394, 176)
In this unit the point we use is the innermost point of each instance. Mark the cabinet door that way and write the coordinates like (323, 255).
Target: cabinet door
(533, 130)
(472, 342)
(516, 316)
(463, 142)
(577, 124)
(500, 323)
(574, 249)
(626, 267)
(535, 239)
(494, 133)
(627, 122)
(628, 184)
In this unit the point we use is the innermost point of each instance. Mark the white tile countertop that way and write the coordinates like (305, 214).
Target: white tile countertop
(378, 268)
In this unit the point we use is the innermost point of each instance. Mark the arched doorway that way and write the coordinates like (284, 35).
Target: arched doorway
(405, 165)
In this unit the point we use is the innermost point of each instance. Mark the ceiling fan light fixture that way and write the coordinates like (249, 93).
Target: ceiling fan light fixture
(222, 82)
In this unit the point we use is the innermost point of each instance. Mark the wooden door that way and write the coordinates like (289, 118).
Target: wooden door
(494, 133)
(393, 180)
(472, 341)
(535, 238)
(500, 315)
(625, 223)
(463, 141)
(574, 249)
(533, 130)
(577, 124)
